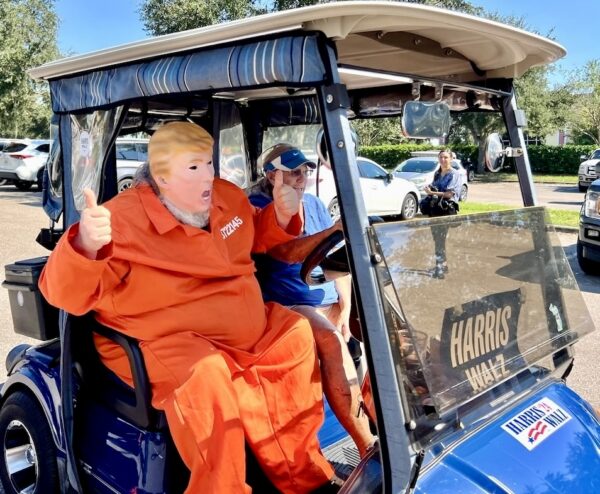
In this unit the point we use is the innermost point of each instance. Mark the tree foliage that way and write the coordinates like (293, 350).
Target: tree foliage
(379, 131)
(169, 16)
(546, 107)
(584, 117)
(28, 39)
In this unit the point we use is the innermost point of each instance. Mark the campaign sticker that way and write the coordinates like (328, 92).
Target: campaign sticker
(536, 423)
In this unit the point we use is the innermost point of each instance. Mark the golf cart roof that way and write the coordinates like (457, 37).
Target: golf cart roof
(385, 36)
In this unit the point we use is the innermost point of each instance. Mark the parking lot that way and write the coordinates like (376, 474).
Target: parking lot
(21, 218)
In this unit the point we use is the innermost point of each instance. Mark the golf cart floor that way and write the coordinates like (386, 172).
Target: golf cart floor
(343, 456)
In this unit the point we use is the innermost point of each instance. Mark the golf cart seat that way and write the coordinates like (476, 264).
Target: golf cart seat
(98, 385)
(132, 404)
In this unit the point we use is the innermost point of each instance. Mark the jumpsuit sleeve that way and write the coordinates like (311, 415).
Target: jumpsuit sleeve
(75, 283)
(268, 233)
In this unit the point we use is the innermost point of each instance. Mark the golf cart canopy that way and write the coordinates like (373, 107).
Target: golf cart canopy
(388, 38)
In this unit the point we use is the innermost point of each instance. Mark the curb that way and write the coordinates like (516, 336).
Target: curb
(566, 229)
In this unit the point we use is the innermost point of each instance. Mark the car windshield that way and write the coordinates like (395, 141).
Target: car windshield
(596, 155)
(15, 147)
(507, 300)
(417, 165)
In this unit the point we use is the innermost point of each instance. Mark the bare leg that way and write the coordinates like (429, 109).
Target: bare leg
(340, 381)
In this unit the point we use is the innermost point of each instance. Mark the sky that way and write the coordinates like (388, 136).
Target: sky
(89, 25)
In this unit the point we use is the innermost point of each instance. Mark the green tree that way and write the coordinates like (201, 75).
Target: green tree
(169, 16)
(584, 119)
(28, 39)
(546, 108)
(379, 131)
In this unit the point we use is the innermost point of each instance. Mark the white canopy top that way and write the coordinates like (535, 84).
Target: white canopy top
(393, 36)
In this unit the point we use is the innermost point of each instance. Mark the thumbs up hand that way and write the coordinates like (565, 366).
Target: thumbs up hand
(285, 199)
(94, 227)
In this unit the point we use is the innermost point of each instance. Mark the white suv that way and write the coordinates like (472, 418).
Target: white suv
(22, 162)
(131, 153)
(588, 170)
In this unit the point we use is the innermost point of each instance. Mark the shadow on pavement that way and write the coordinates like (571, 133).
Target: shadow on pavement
(27, 198)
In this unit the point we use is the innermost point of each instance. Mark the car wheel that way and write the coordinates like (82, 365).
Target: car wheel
(19, 184)
(334, 208)
(409, 207)
(587, 266)
(464, 192)
(28, 450)
(40, 179)
(124, 184)
(470, 175)
(582, 188)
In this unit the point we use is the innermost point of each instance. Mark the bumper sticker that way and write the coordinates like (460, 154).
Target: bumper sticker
(536, 423)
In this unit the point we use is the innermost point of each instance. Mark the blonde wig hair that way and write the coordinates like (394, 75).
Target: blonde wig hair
(174, 138)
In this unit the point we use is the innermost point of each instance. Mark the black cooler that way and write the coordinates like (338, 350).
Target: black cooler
(32, 315)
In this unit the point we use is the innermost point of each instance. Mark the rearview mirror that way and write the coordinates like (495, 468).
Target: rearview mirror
(425, 120)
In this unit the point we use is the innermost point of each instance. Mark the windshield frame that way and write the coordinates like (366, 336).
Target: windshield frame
(556, 281)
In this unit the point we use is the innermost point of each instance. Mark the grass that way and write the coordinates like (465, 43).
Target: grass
(558, 217)
(537, 178)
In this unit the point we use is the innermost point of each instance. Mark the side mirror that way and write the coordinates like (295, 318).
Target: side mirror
(583, 158)
(425, 120)
(493, 153)
(389, 178)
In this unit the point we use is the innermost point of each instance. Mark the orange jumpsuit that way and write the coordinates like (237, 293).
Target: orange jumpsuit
(223, 366)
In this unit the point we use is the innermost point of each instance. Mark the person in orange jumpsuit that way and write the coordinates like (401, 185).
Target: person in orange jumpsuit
(168, 262)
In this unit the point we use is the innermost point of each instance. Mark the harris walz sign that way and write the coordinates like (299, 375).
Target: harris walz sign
(479, 341)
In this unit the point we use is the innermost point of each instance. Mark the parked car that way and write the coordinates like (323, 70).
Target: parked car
(384, 194)
(469, 166)
(4, 142)
(131, 153)
(22, 162)
(421, 168)
(588, 170)
(588, 240)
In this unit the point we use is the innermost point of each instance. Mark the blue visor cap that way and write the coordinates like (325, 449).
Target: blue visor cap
(288, 161)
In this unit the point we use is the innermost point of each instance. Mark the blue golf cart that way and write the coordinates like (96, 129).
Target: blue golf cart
(464, 373)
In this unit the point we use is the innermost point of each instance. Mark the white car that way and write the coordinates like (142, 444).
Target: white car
(588, 170)
(22, 162)
(421, 168)
(131, 153)
(384, 194)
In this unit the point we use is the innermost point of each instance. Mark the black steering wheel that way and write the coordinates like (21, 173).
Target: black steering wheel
(329, 255)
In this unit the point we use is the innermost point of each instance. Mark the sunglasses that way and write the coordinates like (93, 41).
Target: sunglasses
(298, 172)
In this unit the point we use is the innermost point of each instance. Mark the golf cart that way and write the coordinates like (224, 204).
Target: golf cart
(464, 379)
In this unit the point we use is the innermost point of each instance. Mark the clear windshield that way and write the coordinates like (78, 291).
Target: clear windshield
(505, 299)
(417, 166)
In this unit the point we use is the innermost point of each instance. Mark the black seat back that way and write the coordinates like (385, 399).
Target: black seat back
(133, 404)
